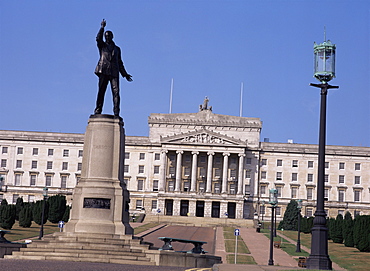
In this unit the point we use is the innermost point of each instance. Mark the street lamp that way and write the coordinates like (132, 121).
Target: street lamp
(299, 207)
(273, 201)
(45, 195)
(324, 71)
(263, 212)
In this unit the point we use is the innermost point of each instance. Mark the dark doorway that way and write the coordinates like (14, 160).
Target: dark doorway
(199, 209)
(184, 207)
(169, 206)
(215, 209)
(231, 208)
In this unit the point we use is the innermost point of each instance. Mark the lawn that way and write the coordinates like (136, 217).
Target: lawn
(145, 227)
(347, 257)
(18, 233)
(240, 259)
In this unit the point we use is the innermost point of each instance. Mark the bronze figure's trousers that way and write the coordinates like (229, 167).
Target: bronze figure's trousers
(103, 83)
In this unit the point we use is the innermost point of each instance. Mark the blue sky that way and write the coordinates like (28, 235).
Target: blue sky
(48, 55)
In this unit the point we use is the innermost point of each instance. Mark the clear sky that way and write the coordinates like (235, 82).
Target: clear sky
(48, 55)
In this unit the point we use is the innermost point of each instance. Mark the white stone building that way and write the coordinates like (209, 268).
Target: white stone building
(192, 166)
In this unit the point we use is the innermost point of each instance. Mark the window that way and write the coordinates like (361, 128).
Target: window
(186, 186)
(154, 204)
(79, 166)
(279, 176)
(216, 188)
(262, 210)
(310, 164)
(217, 159)
(157, 156)
(248, 174)
(356, 213)
(50, 152)
(233, 160)
(171, 185)
(139, 204)
(249, 161)
(35, 151)
(279, 162)
(49, 165)
(32, 179)
(31, 198)
(4, 150)
(187, 171)
(172, 171)
(140, 185)
(233, 173)
(326, 194)
(202, 159)
(263, 189)
(155, 185)
(232, 189)
(341, 165)
(78, 178)
(126, 168)
(65, 153)
(278, 210)
(326, 178)
(309, 177)
(357, 195)
(202, 172)
(309, 212)
(264, 162)
(17, 179)
(295, 163)
(1, 197)
(80, 153)
(156, 169)
(142, 156)
(172, 157)
(357, 179)
(341, 178)
(63, 183)
(18, 164)
(357, 166)
(127, 155)
(263, 174)
(326, 164)
(294, 177)
(15, 197)
(3, 162)
(294, 191)
(309, 193)
(217, 172)
(141, 169)
(341, 195)
(48, 180)
(279, 191)
(34, 164)
(65, 166)
(340, 212)
(187, 158)
(19, 150)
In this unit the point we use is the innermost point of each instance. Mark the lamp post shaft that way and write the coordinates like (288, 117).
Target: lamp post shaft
(298, 249)
(319, 257)
(42, 220)
(271, 259)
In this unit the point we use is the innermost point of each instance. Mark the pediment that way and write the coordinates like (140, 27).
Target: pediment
(202, 137)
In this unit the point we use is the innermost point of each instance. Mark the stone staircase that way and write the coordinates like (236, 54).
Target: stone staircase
(81, 247)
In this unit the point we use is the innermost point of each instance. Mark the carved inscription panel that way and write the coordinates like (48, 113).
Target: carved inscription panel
(97, 203)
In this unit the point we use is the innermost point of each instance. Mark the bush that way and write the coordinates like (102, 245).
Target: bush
(25, 216)
(57, 208)
(18, 207)
(361, 233)
(37, 211)
(7, 216)
(66, 214)
(337, 229)
(348, 230)
(290, 220)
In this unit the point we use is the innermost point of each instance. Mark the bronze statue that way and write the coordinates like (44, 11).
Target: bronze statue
(109, 67)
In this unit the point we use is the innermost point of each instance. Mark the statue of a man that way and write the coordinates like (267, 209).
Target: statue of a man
(109, 67)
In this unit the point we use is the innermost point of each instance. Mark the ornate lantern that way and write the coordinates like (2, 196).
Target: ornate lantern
(324, 61)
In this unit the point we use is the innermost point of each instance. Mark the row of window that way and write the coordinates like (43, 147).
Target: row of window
(279, 163)
(157, 156)
(35, 151)
(34, 164)
(294, 177)
(310, 191)
(48, 180)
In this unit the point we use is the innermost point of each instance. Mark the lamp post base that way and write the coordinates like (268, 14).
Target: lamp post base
(319, 262)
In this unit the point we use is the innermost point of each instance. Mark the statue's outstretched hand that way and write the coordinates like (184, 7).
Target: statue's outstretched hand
(128, 77)
(103, 23)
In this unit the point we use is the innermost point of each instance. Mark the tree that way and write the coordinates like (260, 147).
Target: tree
(7, 216)
(66, 214)
(337, 229)
(330, 225)
(25, 216)
(362, 233)
(348, 230)
(18, 207)
(57, 208)
(4, 202)
(37, 211)
(290, 220)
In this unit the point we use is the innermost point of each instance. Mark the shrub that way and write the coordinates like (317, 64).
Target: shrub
(57, 208)
(348, 230)
(25, 216)
(337, 229)
(290, 220)
(362, 233)
(37, 211)
(7, 216)
(18, 207)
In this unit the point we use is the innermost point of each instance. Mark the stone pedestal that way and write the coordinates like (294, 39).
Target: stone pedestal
(100, 199)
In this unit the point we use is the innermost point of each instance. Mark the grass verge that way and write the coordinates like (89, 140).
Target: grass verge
(18, 233)
(240, 259)
(145, 227)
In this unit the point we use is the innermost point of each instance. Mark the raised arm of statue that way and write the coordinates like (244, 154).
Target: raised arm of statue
(99, 37)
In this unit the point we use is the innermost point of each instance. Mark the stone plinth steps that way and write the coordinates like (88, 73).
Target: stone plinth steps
(86, 248)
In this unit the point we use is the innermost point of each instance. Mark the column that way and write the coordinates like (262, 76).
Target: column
(162, 178)
(178, 170)
(240, 175)
(224, 172)
(209, 172)
(193, 186)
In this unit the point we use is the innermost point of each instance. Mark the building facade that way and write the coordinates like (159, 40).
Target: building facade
(195, 165)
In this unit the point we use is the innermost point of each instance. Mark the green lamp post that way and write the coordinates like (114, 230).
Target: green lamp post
(273, 200)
